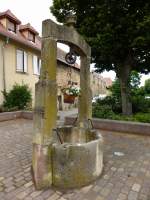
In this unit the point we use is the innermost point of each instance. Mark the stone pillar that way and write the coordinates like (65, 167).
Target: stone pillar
(45, 115)
(85, 100)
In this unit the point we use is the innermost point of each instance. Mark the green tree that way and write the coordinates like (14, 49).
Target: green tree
(147, 86)
(135, 80)
(133, 84)
(118, 32)
(138, 94)
(115, 91)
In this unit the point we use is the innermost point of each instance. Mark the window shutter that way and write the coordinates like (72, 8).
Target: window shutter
(25, 62)
(39, 66)
(35, 64)
(19, 60)
(11, 26)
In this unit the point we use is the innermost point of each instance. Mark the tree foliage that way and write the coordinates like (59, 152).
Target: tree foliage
(118, 32)
(147, 86)
(138, 94)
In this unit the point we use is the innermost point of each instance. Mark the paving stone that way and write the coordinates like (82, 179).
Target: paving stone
(61, 198)
(106, 177)
(132, 195)
(105, 192)
(136, 187)
(123, 178)
(125, 190)
(9, 189)
(28, 198)
(1, 189)
(22, 195)
(47, 193)
(96, 188)
(39, 198)
(122, 196)
(54, 197)
(35, 193)
(143, 197)
(100, 198)
(28, 184)
(86, 189)
(1, 178)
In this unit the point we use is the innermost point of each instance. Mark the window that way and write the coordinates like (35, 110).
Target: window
(36, 65)
(11, 26)
(31, 37)
(21, 61)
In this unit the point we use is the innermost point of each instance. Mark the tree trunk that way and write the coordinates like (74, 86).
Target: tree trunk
(125, 91)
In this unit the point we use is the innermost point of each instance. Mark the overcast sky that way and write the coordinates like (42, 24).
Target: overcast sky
(34, 12)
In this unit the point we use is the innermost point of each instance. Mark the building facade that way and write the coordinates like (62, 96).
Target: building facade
(20, 52)
(98, 84)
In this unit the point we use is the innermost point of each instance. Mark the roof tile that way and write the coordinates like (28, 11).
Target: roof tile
(28, 27)
(10, 15)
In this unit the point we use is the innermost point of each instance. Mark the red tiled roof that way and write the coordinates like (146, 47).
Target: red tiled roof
(28, 27)
(18, 37)
(10, 15)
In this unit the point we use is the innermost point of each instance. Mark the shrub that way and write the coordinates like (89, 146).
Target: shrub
(140, 104)
(102, 111)
(105, 109)
(142, 117)
(112, 102)
(139, 117)
(147, 86)
(19, 96)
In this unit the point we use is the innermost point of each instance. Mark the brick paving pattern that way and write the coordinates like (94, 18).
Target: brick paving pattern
(125, 177)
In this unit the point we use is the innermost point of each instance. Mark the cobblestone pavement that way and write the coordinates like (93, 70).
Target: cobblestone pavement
(125, 177)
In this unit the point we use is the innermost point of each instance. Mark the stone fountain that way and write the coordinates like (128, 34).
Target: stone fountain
(66, 156)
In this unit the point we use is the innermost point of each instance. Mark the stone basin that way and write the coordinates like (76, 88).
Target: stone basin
(79, 159)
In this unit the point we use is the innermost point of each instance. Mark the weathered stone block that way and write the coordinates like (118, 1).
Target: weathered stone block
(79, 160)
(42, 166)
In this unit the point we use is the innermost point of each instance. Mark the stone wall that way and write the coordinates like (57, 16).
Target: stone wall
(98, 84)
(116, 126)
(63, 75)
(63, 79)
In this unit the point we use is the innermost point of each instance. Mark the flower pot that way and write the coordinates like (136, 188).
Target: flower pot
(69, 98)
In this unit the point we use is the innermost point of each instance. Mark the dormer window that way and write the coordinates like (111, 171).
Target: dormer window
(11, 26)
(9, 21)
(28, 32)
(31, 36)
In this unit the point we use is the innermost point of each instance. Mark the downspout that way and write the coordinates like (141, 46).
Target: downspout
(3, 59)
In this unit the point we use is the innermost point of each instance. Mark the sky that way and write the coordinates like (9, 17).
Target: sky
(34, 12)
